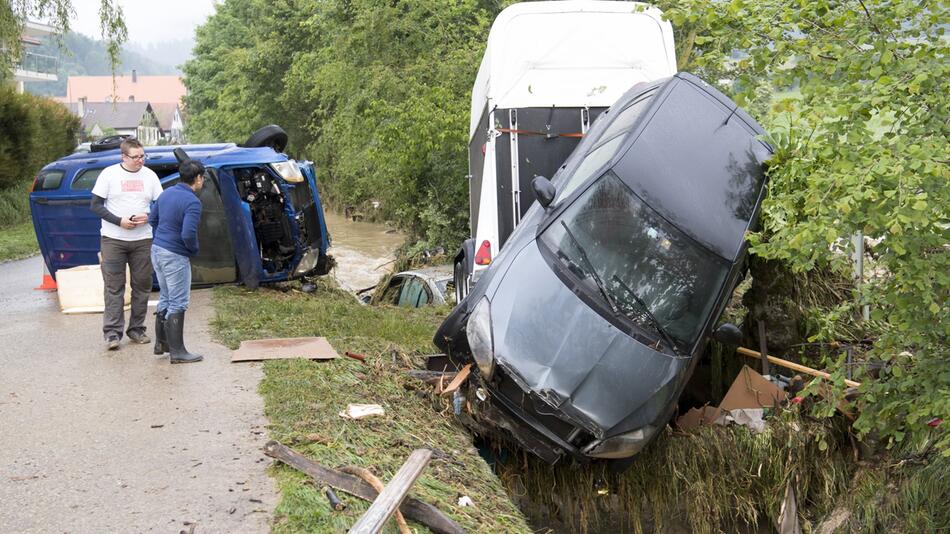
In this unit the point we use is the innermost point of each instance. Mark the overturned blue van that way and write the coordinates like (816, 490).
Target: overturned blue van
(262, 220)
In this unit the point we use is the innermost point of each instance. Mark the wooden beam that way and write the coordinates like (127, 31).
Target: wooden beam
(414, 509)
(793, 366)
(458, 380)
(392, 496)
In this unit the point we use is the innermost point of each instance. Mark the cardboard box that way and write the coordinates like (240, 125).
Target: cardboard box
(80, 289)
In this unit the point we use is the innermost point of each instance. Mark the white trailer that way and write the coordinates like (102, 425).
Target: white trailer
(550, 68)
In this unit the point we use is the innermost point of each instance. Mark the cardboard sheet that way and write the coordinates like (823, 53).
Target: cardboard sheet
(309, 348)
(80, 289)
(749, 393)
(751, 390)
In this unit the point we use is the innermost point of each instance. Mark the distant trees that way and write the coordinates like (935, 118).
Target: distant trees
(377, 93)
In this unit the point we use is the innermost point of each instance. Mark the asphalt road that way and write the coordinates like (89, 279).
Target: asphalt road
(96, 441)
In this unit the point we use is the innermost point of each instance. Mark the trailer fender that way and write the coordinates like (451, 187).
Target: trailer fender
(462, 270)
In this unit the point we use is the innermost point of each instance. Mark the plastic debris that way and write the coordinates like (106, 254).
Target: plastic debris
(359, 411)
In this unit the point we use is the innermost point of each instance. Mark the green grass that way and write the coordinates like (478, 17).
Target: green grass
(18, 241)
(303, 398)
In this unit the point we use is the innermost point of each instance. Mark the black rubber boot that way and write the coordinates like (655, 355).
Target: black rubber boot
(161, 345)
(174, 325)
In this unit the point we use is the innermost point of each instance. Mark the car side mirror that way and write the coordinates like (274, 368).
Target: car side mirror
(728, 334)
(544, 190)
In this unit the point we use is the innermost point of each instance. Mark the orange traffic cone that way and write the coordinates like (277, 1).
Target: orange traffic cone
(48, 283)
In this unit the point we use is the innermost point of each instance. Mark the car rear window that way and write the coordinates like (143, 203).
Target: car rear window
(48, 180)
(85, 180)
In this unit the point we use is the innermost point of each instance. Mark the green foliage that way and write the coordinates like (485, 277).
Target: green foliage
(861, 136)
(36, 131)
(14, 13)
(377, 93)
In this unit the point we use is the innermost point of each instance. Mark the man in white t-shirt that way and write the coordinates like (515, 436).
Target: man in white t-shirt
(121, 198)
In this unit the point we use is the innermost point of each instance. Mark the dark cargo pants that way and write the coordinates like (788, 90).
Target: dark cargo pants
(116, 254)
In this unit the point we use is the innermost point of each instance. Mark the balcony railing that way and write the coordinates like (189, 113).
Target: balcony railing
(31, 62)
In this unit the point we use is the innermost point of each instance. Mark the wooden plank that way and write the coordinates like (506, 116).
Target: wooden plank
(458, 380)
(414, 509)
(792, 365)
(392, 496)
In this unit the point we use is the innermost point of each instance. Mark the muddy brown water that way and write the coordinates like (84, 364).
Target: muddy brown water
(363, 251)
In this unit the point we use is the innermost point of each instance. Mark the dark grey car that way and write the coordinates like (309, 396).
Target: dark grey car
(586, 327)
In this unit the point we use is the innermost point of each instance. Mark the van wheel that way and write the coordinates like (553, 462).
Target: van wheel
(272, 136)
(109, 142)
(462, 281)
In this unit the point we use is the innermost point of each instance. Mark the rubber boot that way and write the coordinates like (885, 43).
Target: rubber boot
(161, 345)
(174, 326)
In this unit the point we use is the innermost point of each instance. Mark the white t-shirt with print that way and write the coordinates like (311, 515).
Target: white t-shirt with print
(127, 193)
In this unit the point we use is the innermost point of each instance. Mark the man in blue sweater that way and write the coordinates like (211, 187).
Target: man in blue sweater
(174, 219)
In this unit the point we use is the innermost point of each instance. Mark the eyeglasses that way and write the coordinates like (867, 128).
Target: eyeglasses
(140, 157)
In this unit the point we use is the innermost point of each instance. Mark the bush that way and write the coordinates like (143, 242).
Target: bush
(36, 131)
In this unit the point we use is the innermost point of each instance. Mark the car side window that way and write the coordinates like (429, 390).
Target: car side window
(48, 180)
(85, 180)
(607, 145)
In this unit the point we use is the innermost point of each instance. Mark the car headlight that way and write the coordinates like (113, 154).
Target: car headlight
(288, 170)
(622, 446)
(480, 339)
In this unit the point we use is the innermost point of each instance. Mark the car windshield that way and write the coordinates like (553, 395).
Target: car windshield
(639, 257)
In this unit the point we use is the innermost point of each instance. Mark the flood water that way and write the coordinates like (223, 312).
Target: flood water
(363, 251)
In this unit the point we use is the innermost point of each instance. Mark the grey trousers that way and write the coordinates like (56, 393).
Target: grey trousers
(116, 254)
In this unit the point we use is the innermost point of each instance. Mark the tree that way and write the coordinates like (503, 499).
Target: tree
(854, 96)
(15, 13)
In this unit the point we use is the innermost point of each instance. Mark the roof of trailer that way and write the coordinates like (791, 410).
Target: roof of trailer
(571, 53)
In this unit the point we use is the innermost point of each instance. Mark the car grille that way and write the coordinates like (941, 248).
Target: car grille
(516, 396)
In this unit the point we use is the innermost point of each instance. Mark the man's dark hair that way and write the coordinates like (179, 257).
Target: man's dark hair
(130, 143)
(189, 170)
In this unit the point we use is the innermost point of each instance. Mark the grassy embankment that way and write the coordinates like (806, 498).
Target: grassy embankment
(303, 399)
(711, 480)
(17, 239)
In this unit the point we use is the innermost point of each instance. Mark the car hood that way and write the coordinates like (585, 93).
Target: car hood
(557, 347)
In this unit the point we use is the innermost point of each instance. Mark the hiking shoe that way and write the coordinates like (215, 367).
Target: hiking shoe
(141, 339)
(112, 343)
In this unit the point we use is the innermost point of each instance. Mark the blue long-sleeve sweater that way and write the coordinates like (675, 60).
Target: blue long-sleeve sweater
(174, 219)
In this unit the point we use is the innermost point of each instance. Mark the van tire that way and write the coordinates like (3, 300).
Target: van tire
(110, 142)
(272, 136)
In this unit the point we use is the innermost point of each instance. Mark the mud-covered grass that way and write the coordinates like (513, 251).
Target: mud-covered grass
(17, 241)
(716, 479)
(303, 399)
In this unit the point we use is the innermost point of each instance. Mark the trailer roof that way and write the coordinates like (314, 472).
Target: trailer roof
(572, 53)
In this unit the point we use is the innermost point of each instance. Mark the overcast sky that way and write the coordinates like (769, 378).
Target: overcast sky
(148, 21)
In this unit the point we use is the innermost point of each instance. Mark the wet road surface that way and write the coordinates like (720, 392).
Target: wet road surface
(96, 441)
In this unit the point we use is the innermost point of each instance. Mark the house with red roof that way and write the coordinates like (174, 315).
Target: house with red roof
(163, 94)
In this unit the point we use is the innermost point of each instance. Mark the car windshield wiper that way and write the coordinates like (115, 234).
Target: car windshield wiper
(590, 269)
(649, 314)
